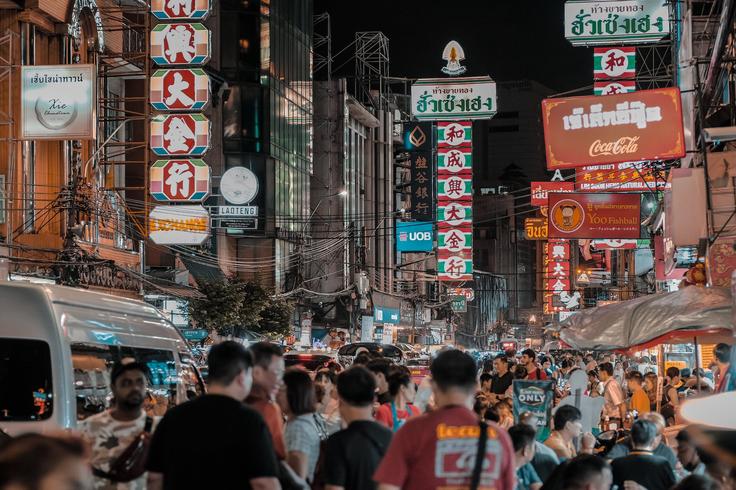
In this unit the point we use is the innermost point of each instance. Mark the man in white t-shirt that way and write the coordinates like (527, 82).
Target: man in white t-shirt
(111, 432)
(614, 405)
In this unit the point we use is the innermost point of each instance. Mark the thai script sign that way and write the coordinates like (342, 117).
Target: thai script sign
(616, 21)
(442, 99)
(180, 44)
(614, 63)
(179, 180)
(589, 215)
(179, 89)
(180, 9)
(619, 244)
(620, 177)
(58, 102)
(179, 225)
(180, 135)
(541, 189)
(590, 130)
(535, 228)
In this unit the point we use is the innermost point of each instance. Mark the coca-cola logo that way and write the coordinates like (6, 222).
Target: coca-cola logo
(622, 146)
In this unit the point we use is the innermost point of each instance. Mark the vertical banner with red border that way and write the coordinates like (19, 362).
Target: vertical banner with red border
(454, 201)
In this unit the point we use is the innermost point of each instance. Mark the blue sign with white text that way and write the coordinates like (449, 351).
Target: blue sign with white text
(414, 236)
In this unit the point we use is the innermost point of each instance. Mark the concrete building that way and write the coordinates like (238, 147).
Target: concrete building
(350, 237)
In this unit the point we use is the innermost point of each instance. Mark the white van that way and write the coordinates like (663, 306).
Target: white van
(57, 345)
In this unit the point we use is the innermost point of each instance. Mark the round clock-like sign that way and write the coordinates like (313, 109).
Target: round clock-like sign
(239, 185)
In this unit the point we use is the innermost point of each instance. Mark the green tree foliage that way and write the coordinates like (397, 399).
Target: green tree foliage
(234, 304)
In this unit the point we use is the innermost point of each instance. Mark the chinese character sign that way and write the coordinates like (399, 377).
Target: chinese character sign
(180, 44)
(179, 180)
(589, 23)
(179, 90)
(611, 87)
(454, 134)
(180, 135)
(614, 63)
(180, 9)
(620, 177)
(557, 287)
(455, 202)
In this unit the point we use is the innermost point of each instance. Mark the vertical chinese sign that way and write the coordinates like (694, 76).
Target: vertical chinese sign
(614, 70)
(557, 286)
(418, 143)
(179, 90)
(454, 201)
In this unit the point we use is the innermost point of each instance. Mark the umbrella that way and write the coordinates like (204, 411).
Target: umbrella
(682, 316)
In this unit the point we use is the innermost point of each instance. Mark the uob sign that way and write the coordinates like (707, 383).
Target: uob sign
(414, 236)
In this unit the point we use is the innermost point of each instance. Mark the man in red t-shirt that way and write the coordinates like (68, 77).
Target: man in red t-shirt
(529, 361)
(438, 449)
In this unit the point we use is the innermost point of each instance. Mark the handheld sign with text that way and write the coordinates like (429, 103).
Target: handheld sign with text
(535, 397)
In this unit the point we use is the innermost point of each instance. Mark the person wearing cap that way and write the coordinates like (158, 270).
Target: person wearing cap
(109, 433)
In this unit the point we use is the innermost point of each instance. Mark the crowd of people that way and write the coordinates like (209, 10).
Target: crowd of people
(370, 426)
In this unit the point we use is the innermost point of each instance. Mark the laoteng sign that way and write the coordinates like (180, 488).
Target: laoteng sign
(616, 21)
(414, 236)
(450, 99)
(597, 130)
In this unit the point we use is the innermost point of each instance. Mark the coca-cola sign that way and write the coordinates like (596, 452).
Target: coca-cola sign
(594, 130)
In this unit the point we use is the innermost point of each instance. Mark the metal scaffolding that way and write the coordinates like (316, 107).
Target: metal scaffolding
(371, 68)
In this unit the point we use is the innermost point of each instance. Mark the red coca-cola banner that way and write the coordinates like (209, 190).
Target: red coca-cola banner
(595, 130)
(594, 215)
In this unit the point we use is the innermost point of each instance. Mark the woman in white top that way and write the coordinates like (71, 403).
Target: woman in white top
(304, 427)
(327, 405)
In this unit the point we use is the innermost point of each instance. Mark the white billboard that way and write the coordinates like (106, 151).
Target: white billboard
(453, 99)
(58, 102)
(179, 225)
(616, 21)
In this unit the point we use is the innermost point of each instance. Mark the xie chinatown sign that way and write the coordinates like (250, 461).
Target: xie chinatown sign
(592, 130)
(616, 21)
(441, 99)
(589, 215)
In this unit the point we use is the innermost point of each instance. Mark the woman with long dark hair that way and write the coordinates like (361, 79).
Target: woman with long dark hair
(402, 391)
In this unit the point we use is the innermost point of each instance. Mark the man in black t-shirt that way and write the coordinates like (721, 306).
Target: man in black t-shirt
(352, 454)
(641, 466)
(500, 381)
(215, 441)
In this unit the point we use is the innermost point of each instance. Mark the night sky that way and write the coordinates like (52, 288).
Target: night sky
(506, 39)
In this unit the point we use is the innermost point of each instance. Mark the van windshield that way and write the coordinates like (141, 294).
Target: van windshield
(25, 380)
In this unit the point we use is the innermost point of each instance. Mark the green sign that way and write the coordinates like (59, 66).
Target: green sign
(459, 304)
(453, 99)
(589, 23)
(536, 397)
(195, 335)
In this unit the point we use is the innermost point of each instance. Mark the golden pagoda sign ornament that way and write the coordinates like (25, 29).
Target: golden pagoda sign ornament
(453, 54)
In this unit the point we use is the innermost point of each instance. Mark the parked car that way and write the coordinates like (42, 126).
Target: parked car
(57, 345)
(346, 354)
(311, 361)
(419, 369)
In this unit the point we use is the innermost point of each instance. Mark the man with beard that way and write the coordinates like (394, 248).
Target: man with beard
(111, 432)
